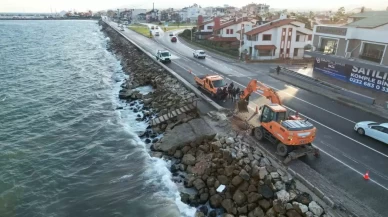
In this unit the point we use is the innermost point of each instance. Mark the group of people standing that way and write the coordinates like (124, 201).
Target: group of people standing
(229, 92)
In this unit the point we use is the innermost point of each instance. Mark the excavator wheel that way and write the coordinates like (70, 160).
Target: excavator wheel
(242, 106)
(258, 133)
(283, 149)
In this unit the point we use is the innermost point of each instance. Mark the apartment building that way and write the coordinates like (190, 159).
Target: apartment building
(282, 38)
(356, 52)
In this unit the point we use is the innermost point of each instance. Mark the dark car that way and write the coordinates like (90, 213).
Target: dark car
(173, 39)
(171, 34)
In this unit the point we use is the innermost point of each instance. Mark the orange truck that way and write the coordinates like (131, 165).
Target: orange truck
(292, 135)
(210, 83)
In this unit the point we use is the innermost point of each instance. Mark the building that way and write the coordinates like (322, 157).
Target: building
(356, 52)
(193, 12)
(152, 15)
(282, 38)
(256, 9)
(165, 15)
(228, 31)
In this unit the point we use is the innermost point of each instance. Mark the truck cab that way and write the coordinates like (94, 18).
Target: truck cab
(163, 56)
(210, 83)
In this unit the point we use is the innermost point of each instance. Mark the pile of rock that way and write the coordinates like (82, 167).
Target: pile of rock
(168, 93)
(253, 187)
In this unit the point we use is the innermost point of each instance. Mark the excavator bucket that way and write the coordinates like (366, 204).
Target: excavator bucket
(242, 105)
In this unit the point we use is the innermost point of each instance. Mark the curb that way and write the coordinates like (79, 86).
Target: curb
(338, 99)
(176, 75)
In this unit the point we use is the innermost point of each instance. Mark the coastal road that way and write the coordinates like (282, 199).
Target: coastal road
(345, 155)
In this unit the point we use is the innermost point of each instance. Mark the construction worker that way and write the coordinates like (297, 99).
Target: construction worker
(230, 90)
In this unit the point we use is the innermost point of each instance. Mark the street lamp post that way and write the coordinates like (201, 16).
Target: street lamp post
(241, 30)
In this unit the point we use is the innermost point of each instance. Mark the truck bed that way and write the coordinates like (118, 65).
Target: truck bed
(201, 76)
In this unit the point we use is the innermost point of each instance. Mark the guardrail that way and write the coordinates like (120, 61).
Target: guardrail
(173, 73)
(358, 98)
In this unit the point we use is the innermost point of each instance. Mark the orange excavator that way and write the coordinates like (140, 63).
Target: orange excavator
(292, 134)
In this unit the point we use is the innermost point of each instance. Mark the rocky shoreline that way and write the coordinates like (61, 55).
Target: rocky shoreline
(231, 177)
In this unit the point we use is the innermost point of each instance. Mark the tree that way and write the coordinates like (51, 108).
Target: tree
(340, 14)
(311, 15)
(110, 13)
(304, 20)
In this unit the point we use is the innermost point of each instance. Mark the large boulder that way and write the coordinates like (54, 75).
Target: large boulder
(229, 170)
(293, 213)
(210, 181)
(199, 184)
(315, 208)
(244, 174)
(283, 195)
(188, 159)
(264, 204)
(257, 212)
(279, 206)
(253, 197)
(239, 197)
(266, 191)
(203, 198)
(223, 179)
(228, 205)
(242, 210)
(229, 140)
(304, 198)
(204, 209)
(237, 180)
(262, 172)
(303, 208)
(215, 201)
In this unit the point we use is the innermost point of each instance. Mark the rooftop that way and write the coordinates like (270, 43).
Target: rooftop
(370, 19)
(269, 26)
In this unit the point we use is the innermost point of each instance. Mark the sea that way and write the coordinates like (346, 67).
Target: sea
(67, 149)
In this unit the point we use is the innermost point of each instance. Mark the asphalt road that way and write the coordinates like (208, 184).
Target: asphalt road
(345, 155)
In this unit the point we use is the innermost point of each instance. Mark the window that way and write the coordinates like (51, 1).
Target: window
(328, 45)
(297, 37)
(310, 37)
(209, 27)
(267, 115)
(231, 31)
(295, 52)
(378, 128)
(267, 37)
(372, 52)
(227, 31)
(264, 53)
(219, 83)
(283, 38)
(281, 51)
(288, 51)
(289, 37)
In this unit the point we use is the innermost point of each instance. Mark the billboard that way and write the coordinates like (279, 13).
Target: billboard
(356, 75)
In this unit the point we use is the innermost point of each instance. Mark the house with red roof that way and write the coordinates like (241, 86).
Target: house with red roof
(282, 38)
(227, 32)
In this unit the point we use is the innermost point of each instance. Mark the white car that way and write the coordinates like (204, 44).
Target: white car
(156, 33)
(372, 129)
(199, 54)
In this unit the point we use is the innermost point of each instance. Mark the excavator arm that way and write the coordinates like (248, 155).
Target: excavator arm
(265, 91)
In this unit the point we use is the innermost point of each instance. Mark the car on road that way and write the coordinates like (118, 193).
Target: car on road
(171, 34)
(378, 131)
(199, 54)
(156, 33)
(173, 39)
(163, 56)
(156, 27)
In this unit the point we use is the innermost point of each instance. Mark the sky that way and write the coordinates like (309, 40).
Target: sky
(96, 5)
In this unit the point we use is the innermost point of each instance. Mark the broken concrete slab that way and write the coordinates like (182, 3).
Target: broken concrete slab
(192, 131)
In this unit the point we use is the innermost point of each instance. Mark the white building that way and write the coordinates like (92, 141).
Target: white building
(193, 12)
(282, 38)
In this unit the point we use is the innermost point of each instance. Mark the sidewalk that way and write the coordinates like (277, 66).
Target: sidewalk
(380, 97)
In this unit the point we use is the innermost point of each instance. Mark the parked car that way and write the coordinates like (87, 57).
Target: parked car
(199, 54)
(152, 27)
(378, 131)
(156, 33)
(156, 27)
(173, 39)
(171, 34)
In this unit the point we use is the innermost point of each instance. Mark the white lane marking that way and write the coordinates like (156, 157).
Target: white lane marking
(311, 104)
(188, 70)
(352, 168)
(329, 128)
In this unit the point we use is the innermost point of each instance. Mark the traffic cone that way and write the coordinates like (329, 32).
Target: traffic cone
(366, 176)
